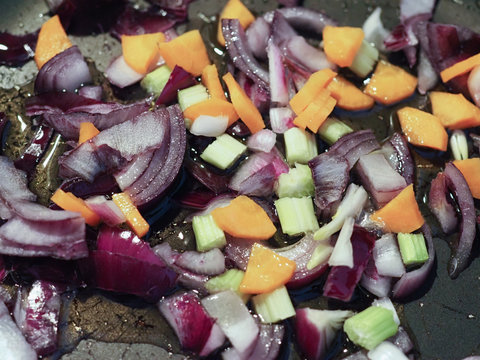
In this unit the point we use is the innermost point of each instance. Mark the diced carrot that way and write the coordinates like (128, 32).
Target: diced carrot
(212, 82)
(266, 271)
(470, 169)
(187, 51)
(244, 107)
(460, 68)
(234, 9)
(316, 112)
(454, 111)
(348, 96)
(212, 107)
(341, 43)
(390, 84)
(68, 201)
(244, 218)
(87, 131)
(422, 128)
(141, 51)
(401, 214)
(312, 88)
(52, 40)
(135, 220)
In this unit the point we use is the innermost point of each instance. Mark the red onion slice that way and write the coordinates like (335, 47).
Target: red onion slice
(281, 119)
(107, 210)
(402, 340)
(427, 77)
(399, 156)
(35, 149)
(263, 140)
(375, 283)
(179, 79)
(91, 92)
(16, 50)
(353, 145)
(386, 255)
(312, 58)
(278, 82)
(440, 206)
(120, 74)
(208, 263)
(474, 85)
(12, 342)
(374, 31)
(257, 36)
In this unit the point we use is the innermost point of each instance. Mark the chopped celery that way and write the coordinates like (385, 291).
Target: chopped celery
(296, 215)
(297, 182)
(274, 306)
(300, 146)
(155, 81)
(320, 255)
(365, 59)
(223, 152)
(229, 280)
(370, 327)
(192, 95)
(413, 248)
(332, 130)
(207, 233)
(458, 145)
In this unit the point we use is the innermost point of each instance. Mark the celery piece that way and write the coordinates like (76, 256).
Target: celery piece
(192, 95)
(155, 81)
(229, 280)
(297, 182)
(365, 59)
(320, 255)
(458, 145)
(207, 233)
(413, 248)
(332, 130)
(223, 152)
(300, 146)
(274, 306)
(296, 215)
(370, 327)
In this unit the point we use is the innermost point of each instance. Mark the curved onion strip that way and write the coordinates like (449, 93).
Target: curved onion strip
(474, 85)
(303, 19)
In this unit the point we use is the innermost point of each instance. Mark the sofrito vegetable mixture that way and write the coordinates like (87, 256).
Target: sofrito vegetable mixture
(279, 193)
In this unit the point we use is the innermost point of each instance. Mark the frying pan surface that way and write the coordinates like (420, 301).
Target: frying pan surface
(444, 318)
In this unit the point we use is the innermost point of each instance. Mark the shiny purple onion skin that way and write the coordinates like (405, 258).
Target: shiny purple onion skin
(19, 48)
(56, 102)
(35, 149)
(401, 158)
(269, 341)
(440, 206)
(179, 79)
(104, 184)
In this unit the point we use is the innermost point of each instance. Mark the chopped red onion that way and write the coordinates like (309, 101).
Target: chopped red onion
(257, 36)
(353, 145)
(210, 126)
(427, 77)
(91, 92)
(342, 254)
(474, 85)
(211, 262)
(120, 74)
(107, 210)
(32, 153)
(12, 342)
(56, 102)
(126, 176)
(263, 140)
(214, 341)
(377, 284)
(269, 342)
(440, 204)
(65, 71)
(402, 340)
(218, 201)
(281, 119)
(278, 82)
(312, 58)
(218, 183)
(179, 79)
(195, 199)
(399, 156)
(374, 31)
(16, 50)
(103, 185)
(386, 351)
(387, 257)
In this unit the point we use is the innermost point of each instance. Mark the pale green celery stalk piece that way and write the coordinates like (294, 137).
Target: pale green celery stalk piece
(320, 255)
(223, 152)
(274, 306)
(370, 327)
(296, 215)
(207, 233)
(191, 96)
(365, 59)
(229, 280)
(332, 130)
(155, 81)
(300, 146)
(298, 182)
(458, 145)
(351, 205)
(413, 248)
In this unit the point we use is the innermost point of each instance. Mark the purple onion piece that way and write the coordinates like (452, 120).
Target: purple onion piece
(120, 74)
(239, 129)
(12, 342)
(311, 58)
(65, 71)
(56, 102)
(281, 119)
(342, 280)
(374, 282)
(175, 8)
(440, 205)
(91, 92)
(196, 199)
(303, 19)
(35, 149)
(269, 342)
(213, 203)
(104, 184)
(240, 53)
(427, 77)
(374, 30)
(402, 340)
(277, 79)
(387, 258)
(37, 311)
(211, 262)
(354, 145)
(257, 36)
(259, 95)
(281, 30)
(213, 181)
(264, 141)
(398, 154)
(237, 252)
(413, 280)
(179, 79)
(16, 50)
(107, 210)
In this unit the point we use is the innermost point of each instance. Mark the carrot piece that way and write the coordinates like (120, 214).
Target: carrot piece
(141, 51)
(212, 82)
(212, 107)
(390, 84)
(422, 128)
(52, 40)
(460, 68)
(187, 51)
(244, 218)
(470, 169)
(234, 9)
(135, 220)
(348, 96)
(68, 201)
(266, 271)
(316, 112)
(312, 88)
(87, 131)
(454, 111)
(341, 43)
(244, 107)
(401, 214)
